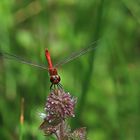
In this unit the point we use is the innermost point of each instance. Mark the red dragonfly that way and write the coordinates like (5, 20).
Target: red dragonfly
(52, 69)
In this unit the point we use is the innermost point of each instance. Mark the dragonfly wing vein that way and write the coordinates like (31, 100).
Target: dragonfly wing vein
(77, 54)
(19, 59)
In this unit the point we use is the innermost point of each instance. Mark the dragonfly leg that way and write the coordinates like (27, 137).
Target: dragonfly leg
(59, 86)
(51, 86)
(55, 86)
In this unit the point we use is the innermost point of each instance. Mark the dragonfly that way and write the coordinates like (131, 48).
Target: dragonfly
(52, 69)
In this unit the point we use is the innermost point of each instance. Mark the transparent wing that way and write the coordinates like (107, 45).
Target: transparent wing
(10, 56)
(77, 54)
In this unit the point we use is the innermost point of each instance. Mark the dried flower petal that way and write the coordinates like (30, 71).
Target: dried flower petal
(79, 134)
(47, 128)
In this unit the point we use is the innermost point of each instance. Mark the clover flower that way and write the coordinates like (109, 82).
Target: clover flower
(60, 105)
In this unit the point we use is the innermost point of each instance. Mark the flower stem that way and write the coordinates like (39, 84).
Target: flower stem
(61, 133)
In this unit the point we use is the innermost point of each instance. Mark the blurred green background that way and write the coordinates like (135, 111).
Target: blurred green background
(106, 81)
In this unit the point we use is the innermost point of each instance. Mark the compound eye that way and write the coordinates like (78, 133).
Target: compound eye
(55, 79)
(58, 78)
(52, 79)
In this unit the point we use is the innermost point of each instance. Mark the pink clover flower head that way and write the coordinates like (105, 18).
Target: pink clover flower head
(59, 105)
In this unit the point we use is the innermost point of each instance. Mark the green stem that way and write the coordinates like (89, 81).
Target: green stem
(88, 76)
(21, 132)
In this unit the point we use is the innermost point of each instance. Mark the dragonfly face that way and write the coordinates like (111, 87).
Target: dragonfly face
(55, 79)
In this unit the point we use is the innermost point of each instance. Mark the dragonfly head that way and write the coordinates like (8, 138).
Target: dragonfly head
(55, 79)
